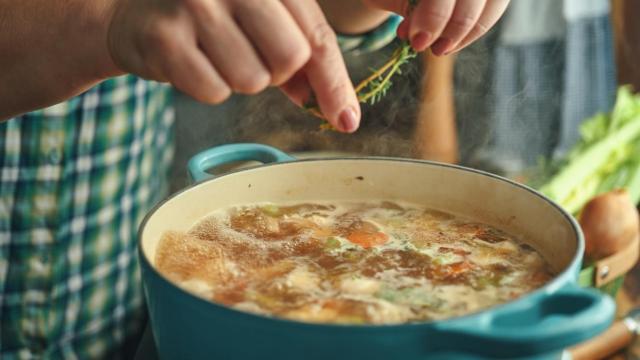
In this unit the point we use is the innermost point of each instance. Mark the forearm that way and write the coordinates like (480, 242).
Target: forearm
(51, 50)
(352, 16)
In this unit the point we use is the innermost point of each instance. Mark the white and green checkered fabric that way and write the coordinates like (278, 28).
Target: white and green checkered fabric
(76, 180)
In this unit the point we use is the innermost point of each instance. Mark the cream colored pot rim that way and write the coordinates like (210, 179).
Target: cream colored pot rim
(573, 264)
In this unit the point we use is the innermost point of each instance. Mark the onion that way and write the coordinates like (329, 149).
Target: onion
(609, 222)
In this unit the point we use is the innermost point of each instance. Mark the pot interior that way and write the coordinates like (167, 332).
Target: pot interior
(464, 192)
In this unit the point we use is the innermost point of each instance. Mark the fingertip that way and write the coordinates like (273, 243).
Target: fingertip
(349, 120)
(218, 96)
(428, 20)
(421, 40)
(206, 93)
(442, 46)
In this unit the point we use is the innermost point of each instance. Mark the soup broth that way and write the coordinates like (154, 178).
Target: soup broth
(350, 262)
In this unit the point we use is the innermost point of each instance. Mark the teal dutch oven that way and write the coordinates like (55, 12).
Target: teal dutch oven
(537, 325)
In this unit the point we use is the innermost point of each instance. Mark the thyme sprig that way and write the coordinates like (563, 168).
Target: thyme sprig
(372, 89)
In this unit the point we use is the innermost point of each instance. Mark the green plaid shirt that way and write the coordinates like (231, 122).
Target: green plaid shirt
(76, 180)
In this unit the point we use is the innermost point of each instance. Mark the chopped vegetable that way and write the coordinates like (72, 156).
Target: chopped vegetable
(451, 270)
(332, 243)
(458, 268)
(351, 255)
(446, 257)
(368, 239)
(271, 210)
(484, 281)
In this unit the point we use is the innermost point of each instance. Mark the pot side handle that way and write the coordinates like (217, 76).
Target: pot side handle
(541, 325)
(225, 154)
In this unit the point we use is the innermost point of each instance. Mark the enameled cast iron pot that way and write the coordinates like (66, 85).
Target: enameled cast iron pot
(539, 324)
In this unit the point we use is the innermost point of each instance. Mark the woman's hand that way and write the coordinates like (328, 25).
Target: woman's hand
(444, 25)
(212, 48)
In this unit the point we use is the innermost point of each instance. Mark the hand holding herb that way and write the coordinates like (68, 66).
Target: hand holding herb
(445, 26)
(373, 88)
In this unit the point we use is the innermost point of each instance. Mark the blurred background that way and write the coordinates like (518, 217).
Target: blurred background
(512, 99)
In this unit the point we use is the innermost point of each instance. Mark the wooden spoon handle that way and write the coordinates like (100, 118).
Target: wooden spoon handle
(613, 339)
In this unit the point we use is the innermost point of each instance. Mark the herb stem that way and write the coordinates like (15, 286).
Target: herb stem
(395, 64)
(377, 73)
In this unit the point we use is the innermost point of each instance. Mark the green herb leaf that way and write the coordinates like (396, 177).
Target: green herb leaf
(271, 210)
(332, 243)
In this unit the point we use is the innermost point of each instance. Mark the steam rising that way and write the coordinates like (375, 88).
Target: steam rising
(386, 127)
(519, 127)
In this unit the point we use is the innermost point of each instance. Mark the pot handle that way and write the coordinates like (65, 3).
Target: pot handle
(545, 323)
(224, 154)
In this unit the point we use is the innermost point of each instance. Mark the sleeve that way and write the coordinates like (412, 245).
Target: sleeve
(372, 40)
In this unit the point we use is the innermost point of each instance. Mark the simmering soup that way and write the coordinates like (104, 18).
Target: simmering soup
(350, 262)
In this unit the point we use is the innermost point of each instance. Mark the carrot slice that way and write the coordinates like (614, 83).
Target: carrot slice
(443, 272)
(459, 267)
(368, 239)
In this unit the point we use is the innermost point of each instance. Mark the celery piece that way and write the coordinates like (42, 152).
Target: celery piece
(633, 183)
(616, 179)
(594, 129)
(271, 210)
(627, 106)
(576, 198)
(387, 294)
(482, 282)
(332, 243)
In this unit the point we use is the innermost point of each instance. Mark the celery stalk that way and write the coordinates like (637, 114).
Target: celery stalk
(583, 166)
(633, 184)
